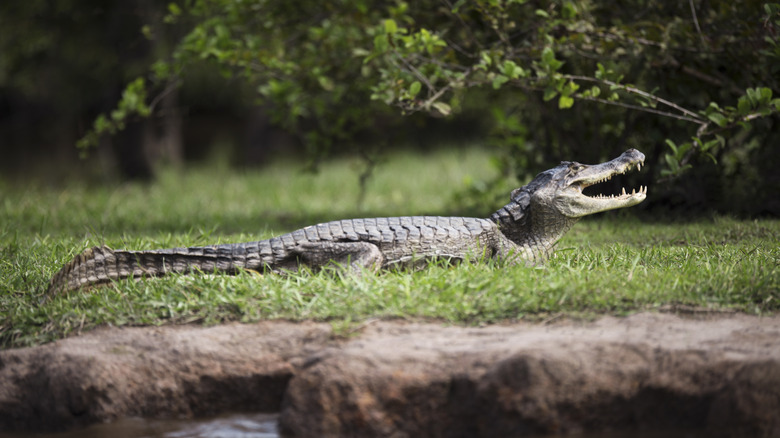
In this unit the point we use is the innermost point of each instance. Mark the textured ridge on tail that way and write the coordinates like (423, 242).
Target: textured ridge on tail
(79, 270)
(102, 264)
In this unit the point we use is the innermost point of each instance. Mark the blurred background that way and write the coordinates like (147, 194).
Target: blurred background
(244, 84)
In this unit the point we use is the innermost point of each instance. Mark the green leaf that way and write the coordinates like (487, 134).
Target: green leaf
(682, 150)
(499, 80)
(486, 57)
(509, 69)
(718, 118)
(672, 163)
(415, 88)
(548, 55)
(673, 146)
(390, 26)
(512, 70)
(743, 105)
(443, 108)
(102, 124)
(549, 61)
(174, 9)
(326, 83)
(571, 87)
(710, 144)
(146, 30)
(118, 115)
(380, 43)
(565, 102)
(457, 5)
(754, 95)
(549, 94)
(601, 73)
(568, 11)
(765, 94)
(161, 69)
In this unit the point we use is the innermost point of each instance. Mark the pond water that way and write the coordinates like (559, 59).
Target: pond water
(254, 426)
(226, 426)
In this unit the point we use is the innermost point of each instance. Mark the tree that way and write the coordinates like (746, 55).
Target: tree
(705, 73)
(61, 65)
(687, 81)
(301, 57)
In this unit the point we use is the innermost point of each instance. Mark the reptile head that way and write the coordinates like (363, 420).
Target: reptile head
(561, 188)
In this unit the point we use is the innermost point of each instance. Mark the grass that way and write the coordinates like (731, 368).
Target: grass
(613, 264)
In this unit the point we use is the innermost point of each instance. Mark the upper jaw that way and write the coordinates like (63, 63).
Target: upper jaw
(597, 173)
(573, 203)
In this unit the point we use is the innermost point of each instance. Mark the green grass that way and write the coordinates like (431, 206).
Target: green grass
(612, 264)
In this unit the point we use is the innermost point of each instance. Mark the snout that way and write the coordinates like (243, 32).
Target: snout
(632, 155)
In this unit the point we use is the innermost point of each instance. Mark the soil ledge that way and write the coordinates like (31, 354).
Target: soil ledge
(648, 371)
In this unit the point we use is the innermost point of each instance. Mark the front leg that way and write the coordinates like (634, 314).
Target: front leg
(510, 253)
(354, 255)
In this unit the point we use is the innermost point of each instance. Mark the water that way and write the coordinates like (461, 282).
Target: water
(255, 426)
(226, 426)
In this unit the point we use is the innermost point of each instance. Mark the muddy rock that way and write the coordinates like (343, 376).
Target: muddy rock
(171, 372)
(396, 379)
(643, 372)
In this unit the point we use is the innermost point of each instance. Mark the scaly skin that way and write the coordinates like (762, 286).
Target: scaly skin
(523, 231)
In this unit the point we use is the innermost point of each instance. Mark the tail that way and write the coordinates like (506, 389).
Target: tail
(102, 264)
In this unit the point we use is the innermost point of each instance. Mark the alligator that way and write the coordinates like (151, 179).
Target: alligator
(523, 231)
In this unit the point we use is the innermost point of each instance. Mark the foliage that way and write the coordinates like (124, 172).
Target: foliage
(46, 49)
(302, 58)
(612, 266)
(62, 64)
(686, 82)
(133, 102)
(590, 51)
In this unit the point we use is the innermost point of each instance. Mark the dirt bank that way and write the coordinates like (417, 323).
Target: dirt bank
(644, 372)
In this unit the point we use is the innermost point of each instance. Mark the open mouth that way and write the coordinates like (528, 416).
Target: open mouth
(594, 189)
(579, 199)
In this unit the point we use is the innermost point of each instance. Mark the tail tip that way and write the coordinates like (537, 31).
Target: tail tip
(61, 281)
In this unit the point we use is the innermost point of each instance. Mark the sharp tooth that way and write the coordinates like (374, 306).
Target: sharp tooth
(633, 191)
(623, 191)
(639, 167)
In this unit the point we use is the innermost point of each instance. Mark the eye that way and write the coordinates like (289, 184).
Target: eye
(576, 168)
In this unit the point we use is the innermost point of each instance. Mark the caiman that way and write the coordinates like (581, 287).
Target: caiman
(523, 231)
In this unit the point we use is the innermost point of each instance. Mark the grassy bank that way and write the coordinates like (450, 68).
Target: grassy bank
(609, 264)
